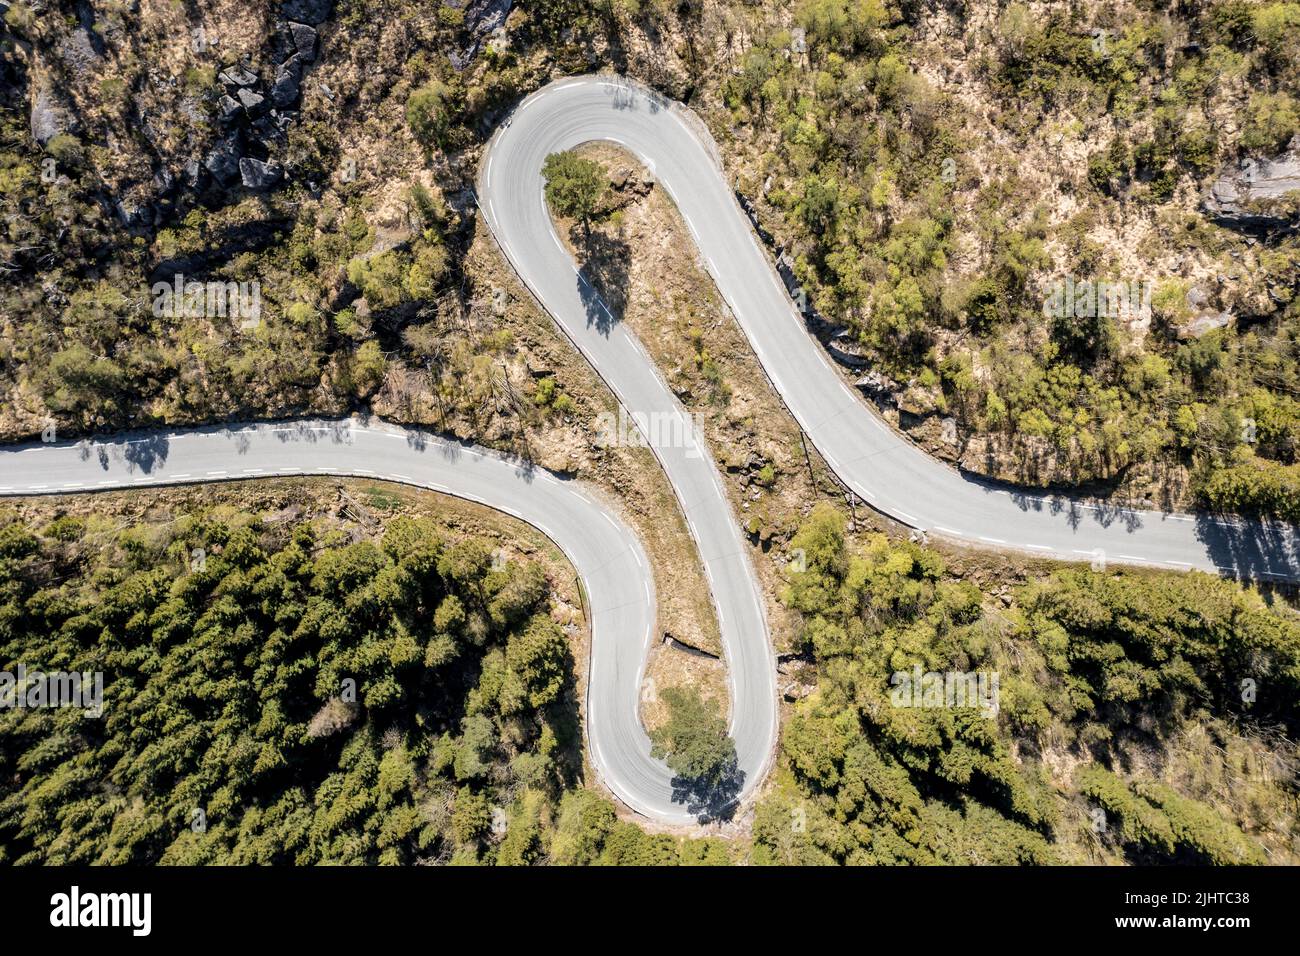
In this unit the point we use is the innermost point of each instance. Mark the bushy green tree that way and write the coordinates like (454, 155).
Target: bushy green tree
(575, 187)
(693, 741)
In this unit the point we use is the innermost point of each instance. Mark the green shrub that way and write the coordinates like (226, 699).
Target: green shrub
(429, 113)
(1271, 120)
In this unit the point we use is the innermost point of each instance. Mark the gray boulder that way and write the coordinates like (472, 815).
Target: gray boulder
(877, 385)
(1244, 192)
(1204, 322)
(294, 66)
(79, 54)
(251, 101)
(229, 108)
(49, 117)
(237, 76)
(223, 161)
(134, 214)
(259, 175)
(304, 39)
(273, 128)
(285, 91)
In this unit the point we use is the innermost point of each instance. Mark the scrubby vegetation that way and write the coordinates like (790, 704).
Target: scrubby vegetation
(884, 145)
(1097, 671)
(281, 687)
(363, 296)
(935, 248)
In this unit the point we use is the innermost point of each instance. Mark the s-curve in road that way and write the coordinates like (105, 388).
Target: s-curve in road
(879, 465)
(558, 118)
(617, 581)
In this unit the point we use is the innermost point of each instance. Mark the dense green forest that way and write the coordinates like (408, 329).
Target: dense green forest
(289, 691)
(231, 643)
(1093, 756)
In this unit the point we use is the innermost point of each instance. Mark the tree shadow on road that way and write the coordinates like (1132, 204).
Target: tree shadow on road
(148, 453)
(602, 277)
(711, 800)
(1251, 548)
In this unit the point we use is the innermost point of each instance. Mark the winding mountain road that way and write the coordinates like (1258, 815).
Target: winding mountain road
(876, 463)
(879, 465)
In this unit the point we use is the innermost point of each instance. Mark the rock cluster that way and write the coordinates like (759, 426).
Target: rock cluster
(252, 114)
(1247, 196)
(255, 112)
(484, 23)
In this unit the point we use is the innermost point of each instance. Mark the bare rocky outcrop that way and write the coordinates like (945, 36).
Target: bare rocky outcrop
(188, 106)
(483, 20)
(50, 116)
(1249, 196)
